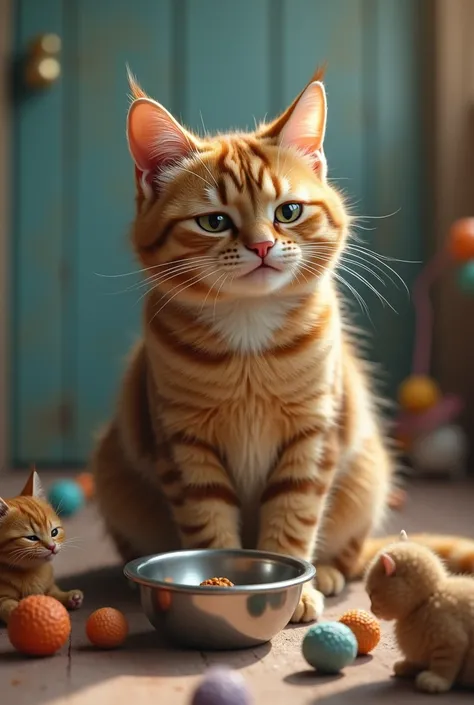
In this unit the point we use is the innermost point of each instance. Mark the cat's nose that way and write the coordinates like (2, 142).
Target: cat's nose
(261, 248)
(52, 547)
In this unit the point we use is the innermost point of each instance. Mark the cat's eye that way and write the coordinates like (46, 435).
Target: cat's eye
(288, 212)
(33, 537)
(214, 222)
(54, 533)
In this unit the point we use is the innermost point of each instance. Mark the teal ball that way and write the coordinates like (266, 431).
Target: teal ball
(329, 647)
(465, 277)
(66, 497)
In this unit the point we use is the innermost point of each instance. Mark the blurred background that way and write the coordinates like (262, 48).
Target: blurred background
(400, 83)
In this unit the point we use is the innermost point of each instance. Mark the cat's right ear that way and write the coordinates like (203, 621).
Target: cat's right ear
(4, 509)
(155, 139)
(33, 486)
(388, 564)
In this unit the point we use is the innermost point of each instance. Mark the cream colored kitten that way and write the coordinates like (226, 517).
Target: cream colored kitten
(434, 614)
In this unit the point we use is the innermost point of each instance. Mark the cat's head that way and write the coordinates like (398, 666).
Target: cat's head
(30, 530)
(235, 215)
(401, 577)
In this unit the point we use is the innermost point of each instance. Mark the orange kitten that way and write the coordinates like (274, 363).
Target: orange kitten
(30, 536)
(434, 615)
(245, 417)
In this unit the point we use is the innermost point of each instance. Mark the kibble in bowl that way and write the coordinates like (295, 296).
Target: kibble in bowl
(218, 582)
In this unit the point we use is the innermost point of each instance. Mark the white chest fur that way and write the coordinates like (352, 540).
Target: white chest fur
(247, 325)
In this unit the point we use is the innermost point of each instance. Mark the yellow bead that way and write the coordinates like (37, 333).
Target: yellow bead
(418, 393)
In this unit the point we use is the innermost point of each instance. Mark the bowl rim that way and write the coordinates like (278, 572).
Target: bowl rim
(308, 572)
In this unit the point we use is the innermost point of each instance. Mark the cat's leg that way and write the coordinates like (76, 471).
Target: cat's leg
(357, 504)
(200, 492)
(7, 605)
(71, 599)
(446, 662)
(292, 504)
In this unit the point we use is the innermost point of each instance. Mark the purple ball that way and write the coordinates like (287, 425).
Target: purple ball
(221, 686)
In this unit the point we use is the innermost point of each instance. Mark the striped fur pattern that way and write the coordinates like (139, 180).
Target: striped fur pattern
(245, 416)
(31, 536)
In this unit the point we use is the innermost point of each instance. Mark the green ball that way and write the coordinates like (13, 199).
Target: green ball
(465, 277)
(66, 497)
(329, 647)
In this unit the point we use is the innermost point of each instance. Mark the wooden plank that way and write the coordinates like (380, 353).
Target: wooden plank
(106, 322)
(226, 68)
(394, 170)
(38, 222)
(6, 131)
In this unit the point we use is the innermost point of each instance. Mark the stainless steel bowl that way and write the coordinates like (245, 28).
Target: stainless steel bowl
(267, 587)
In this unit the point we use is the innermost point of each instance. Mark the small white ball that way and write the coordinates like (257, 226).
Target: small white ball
(443, 451)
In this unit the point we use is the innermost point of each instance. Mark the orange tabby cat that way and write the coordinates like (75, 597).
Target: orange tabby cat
(30, 536)
(434, 615)
(246, 417)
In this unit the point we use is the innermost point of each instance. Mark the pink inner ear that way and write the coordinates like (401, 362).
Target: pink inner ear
(388, 564)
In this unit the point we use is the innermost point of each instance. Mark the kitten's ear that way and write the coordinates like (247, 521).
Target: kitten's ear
(388, 563)
(155, 138)
(403, 535)
(4, 509)
(33, 486)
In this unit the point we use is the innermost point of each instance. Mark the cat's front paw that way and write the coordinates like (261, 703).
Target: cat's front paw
(330, 580)
(74, 600)
(310, 607)
(430, 682)
(406, 669)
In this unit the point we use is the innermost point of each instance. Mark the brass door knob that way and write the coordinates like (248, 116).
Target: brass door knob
(42, 65)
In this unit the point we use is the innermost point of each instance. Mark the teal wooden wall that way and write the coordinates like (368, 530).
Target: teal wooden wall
(221, 63)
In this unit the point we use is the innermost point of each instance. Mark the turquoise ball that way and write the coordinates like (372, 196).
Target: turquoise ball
(66, 497)
(465, 277)
(329, 647)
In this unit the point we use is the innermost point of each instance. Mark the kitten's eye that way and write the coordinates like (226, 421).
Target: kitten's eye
(54, 533)
(214, 222)
(288, 212)
(32, 538)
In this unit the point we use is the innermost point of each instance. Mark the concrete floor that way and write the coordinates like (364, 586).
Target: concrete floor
(145, 671)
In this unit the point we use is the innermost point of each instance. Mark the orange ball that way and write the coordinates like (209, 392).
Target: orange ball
(418, 393)
(107, 628)
(365, 628)
(86, 482)
(461, 239)
(39, 626)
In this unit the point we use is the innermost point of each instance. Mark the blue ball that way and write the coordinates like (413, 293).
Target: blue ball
(329, 647)
(221, 686)
(465, 277)
(66, 497)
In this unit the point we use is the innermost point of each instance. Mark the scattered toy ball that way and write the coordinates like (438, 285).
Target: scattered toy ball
(39, 626)
(85, 480)
(221, 686)
(329, 647)
(66, 497)
(218, 582)
(107, 628)
(365, 627)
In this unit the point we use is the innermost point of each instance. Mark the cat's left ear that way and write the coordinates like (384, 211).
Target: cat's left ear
(33, 486)
(388, 564)
(4, 509)
(403, 535)
(305, 127)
